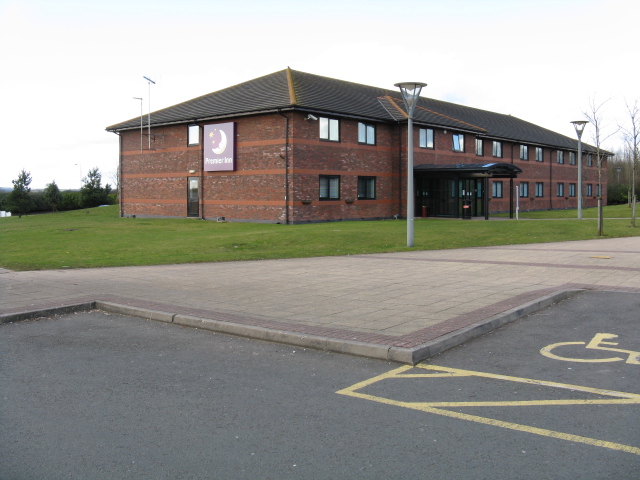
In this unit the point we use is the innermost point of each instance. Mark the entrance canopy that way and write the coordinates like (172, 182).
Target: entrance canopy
(460, 190)
(492, 170)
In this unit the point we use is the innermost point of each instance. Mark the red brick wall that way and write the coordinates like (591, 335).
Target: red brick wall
(154, 182)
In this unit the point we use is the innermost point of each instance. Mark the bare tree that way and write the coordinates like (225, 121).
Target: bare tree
(632, 139)
(114, 177)
(595, 115)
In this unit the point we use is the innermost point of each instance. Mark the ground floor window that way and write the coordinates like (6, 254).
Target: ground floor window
(496, 189)
(572, 189)
(329, 187)
(524, 189)
(589, 190)
(560, 190)
(539, 189)
(366, 188)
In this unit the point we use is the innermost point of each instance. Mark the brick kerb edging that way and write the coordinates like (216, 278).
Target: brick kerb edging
(453, 339)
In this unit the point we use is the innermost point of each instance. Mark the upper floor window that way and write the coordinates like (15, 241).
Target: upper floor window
(366, 188)
(426, 138)
(497, 149)
(479, 147)
(458, 142)
(329, 129)
(560, 156)
(572, 158)
(524, 152)
(590, 160)
(194, 135)
(329, 187)
(539, 154)
(366, 133)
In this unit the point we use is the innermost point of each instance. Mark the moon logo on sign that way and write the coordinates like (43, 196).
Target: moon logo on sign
(222, 146)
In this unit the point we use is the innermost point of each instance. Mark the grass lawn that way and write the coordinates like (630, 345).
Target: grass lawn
(613, 211)
(98, 238)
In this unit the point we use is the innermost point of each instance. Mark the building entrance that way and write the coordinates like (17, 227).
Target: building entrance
(458, 190)
(448, 197)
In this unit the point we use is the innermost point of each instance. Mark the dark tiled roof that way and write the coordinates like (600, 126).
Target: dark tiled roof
(291, 89)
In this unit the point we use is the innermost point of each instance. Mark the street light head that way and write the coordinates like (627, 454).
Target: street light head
(410, 93)
(149, 80)
(579, 126)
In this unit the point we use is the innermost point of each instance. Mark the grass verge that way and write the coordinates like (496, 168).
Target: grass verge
(98, 238)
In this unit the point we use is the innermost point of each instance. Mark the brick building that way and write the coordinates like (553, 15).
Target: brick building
(293, 147)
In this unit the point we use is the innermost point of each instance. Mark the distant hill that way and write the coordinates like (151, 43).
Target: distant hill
(6, 189)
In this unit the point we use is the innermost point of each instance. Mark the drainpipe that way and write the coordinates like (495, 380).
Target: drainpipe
(286, 168)
(120, 173)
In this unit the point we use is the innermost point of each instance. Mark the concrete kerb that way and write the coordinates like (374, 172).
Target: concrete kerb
(47, 312)
(409, 356)
(135, 311)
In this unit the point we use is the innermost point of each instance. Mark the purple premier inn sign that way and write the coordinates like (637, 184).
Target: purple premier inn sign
(219, 147)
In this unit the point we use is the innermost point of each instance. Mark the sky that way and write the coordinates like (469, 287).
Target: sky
(69, 69)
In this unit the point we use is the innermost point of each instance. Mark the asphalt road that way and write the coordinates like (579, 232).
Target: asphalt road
(93, 395)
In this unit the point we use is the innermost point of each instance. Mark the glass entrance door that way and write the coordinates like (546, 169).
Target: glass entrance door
(471, 195)
(193, 197)
(446, 197)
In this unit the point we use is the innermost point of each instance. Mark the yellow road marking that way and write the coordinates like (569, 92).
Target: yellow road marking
(437, 407)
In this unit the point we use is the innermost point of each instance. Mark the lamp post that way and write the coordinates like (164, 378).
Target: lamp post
(410, 94)
(579, 126)
(139, 98)
(149, 82)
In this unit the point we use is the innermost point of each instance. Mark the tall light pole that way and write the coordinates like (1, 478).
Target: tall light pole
(149, 82)
(139, 98)
(579, 126)
(410, 94)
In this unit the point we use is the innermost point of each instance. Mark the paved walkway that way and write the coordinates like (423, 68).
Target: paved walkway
(401, 306)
